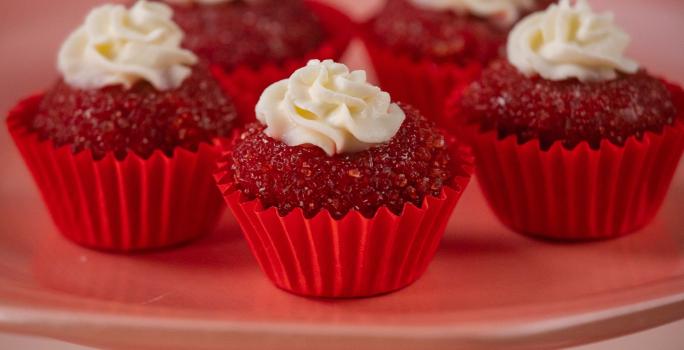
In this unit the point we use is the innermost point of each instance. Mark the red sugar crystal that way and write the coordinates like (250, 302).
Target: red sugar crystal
(237, 32)
(141, 119)
(440, 35)
(416, 163)
(569, 111)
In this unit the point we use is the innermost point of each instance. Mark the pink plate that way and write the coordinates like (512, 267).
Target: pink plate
(487, 287)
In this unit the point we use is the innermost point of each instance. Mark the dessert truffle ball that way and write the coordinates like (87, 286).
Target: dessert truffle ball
(141, 119)
(232, 33)
(437, 31)
(329, 140)
(124, 145)
(417, 162)
(127, 84)
(604, 136)
(568, 111)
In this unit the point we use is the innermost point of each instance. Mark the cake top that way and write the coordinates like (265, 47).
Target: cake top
(570, 41)
(326, 105)
(120, 46)
(253, 33)
(507, 10)
(419, 161)
(567, 111)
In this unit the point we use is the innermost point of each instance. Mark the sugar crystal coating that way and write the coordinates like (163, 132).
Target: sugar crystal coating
(419, 161)
(440, 35)
(141, 119)
(568, 111)
(237, 32)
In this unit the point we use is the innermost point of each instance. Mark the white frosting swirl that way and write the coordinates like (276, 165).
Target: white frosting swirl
(201, 2)
(570, 41)
(325, 105)
(507, 10)
(117, 46)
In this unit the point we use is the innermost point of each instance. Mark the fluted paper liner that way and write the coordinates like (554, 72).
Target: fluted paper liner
(580, 193)
(349, 257)
(245, 83)
(422, 83)
(121, 205)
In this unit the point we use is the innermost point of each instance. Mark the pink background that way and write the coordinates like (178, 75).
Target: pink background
(31, 31)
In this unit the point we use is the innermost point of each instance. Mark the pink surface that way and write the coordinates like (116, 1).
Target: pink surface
(487, 286)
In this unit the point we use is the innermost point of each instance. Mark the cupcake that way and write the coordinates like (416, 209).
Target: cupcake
(123, 146)
(339, 192)
(424, 49)
(573, 140)
(252, 43)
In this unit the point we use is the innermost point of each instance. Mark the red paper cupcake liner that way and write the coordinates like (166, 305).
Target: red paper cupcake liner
(421, 83)
(580, 193)
(245, 83)
(121, 205)
(342, 258)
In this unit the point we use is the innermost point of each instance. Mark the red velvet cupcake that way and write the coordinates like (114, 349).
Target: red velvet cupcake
(123, 147)
(424, 49)
(252, 43)
(573, 141)
(340, 192)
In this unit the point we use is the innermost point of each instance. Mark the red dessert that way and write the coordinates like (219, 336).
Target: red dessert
(141, 119)
(124, 145)
(422, 56)
(416, 163)
(440, 35)
(345, 225)
(572, 140)
(253, 33)
(568, 111)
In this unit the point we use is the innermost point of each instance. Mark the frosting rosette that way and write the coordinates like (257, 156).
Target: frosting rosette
(508, 10)
(570, 41)
(201, 2)
(326, 105)
(120, 46)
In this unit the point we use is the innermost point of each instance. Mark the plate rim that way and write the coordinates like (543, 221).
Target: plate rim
(622, 319)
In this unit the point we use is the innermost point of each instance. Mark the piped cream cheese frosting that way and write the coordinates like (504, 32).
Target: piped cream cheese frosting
(326, 105)
(201, 2)
(570, 41)
(508, 10)
(120, 46)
